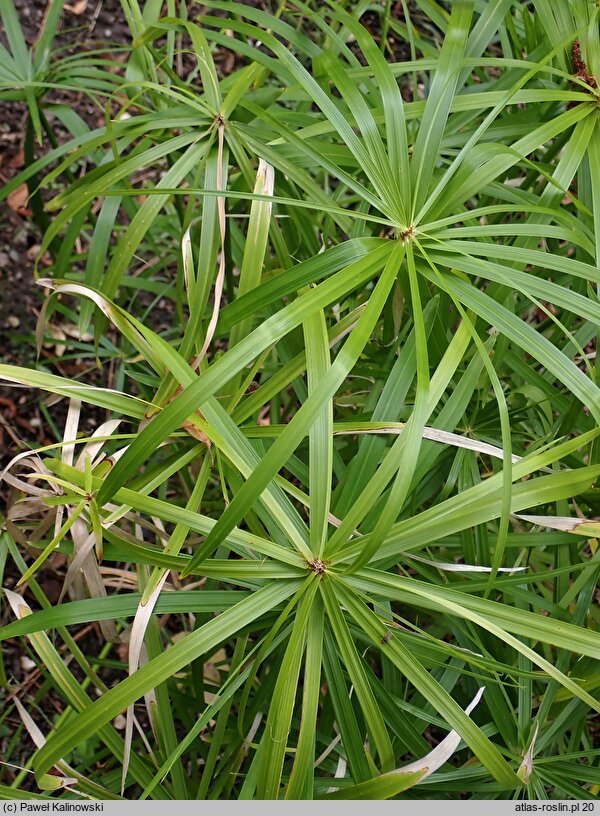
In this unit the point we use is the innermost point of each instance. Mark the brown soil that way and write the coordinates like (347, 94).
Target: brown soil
(85, 24)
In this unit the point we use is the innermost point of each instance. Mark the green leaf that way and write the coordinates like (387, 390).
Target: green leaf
(158, 670)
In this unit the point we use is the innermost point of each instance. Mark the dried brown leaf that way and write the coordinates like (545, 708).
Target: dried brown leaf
(188, 425)
(76, 8)
(17, 199)
(194, 431)
(17, 161)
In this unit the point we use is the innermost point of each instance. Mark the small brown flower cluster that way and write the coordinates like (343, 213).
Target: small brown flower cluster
(581, 71)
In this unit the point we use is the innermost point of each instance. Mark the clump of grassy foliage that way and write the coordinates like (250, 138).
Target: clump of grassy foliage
(350, 485)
